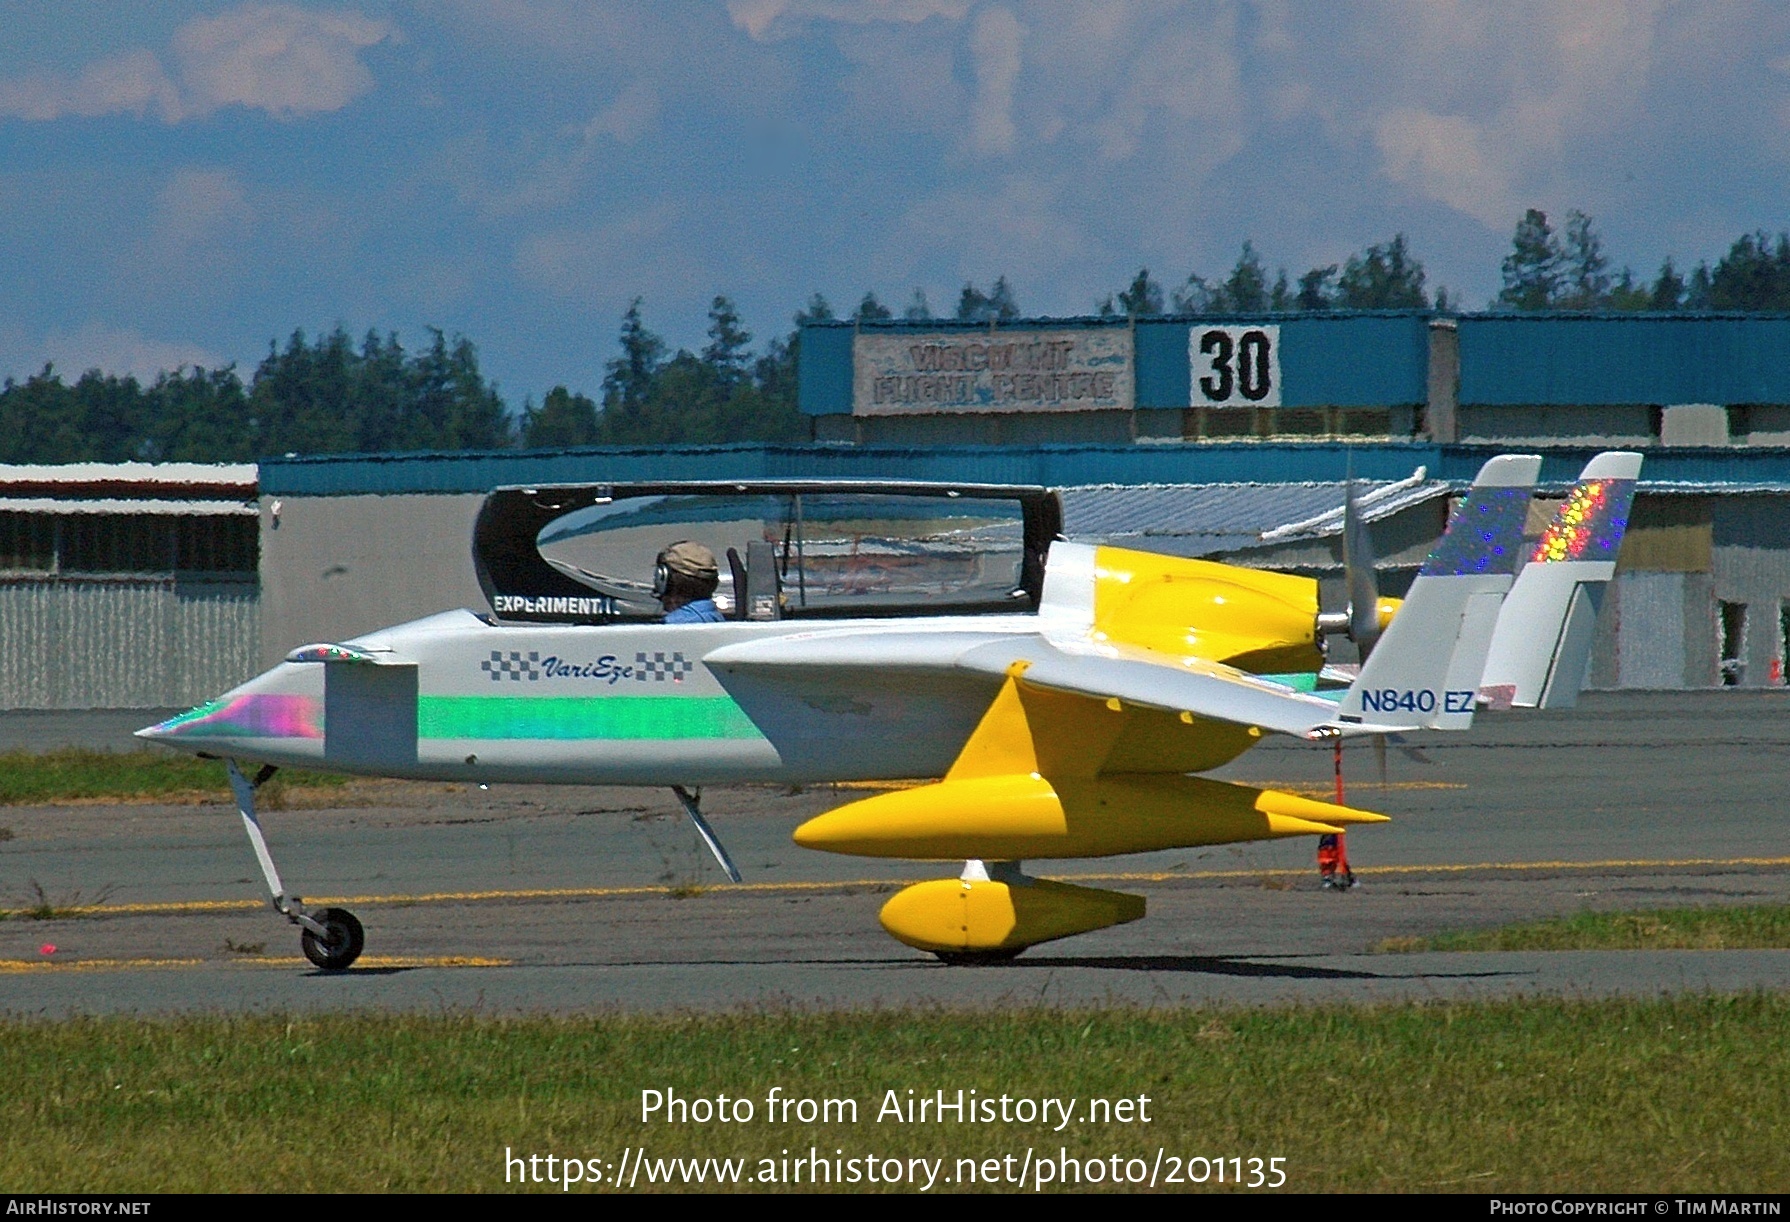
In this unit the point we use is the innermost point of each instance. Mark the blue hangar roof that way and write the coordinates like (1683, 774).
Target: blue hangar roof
(1716, 469)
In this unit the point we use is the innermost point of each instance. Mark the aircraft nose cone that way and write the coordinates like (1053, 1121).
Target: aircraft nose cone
(181, 725)
(244, 715)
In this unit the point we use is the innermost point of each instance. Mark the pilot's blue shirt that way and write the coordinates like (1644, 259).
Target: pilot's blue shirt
(702, 611)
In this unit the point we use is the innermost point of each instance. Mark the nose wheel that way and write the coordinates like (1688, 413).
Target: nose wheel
(340, 942)
(331, 937)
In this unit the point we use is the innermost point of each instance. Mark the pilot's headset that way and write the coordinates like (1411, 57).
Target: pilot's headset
(689, 566)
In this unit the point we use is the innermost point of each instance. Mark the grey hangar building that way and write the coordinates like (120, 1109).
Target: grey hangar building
(160, 585)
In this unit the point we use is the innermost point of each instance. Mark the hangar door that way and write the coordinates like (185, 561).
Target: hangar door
(126, 610)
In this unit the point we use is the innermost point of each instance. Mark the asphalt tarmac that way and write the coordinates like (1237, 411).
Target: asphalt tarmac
(564, 899)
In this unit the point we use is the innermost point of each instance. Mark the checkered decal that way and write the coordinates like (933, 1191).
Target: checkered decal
(515, 666)
(659, 668)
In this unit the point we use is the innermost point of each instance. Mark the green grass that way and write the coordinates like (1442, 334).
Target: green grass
(70, 775)
(1684, 1094)
(1745, 927)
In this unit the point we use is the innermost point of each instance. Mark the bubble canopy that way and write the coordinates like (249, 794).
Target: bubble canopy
(585, 553)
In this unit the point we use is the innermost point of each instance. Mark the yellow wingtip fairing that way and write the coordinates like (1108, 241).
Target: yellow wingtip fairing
(1291, 805)
(949, 914)
(1286, 825)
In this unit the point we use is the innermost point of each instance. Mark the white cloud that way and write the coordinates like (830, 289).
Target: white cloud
(1020, 225)
(532, 180)
(995, 44)
(132, 83)
(121, 351)
(764, 19)
(646, 251)
(1450, 158)
(284, 60)
(197, 207)
(629, 117)
(1489, 116)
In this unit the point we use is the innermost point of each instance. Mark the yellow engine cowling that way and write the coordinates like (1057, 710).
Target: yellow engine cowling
(1255, 620)
(952, 914)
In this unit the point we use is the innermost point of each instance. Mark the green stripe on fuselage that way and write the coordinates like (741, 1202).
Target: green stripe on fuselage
(613, 717)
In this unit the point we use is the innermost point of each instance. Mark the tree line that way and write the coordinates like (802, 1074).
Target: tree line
(328, 394)
(313, 396)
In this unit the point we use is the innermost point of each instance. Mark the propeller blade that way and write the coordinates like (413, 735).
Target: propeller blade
(1358, 569)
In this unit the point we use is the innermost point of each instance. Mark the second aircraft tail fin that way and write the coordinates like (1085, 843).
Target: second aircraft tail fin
(1425, 671)
(1543, 640)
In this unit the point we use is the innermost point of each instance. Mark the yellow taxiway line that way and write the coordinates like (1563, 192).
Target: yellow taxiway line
(193, 907)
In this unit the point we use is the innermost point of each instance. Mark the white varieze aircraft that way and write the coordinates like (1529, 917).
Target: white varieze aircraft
(1067, 696)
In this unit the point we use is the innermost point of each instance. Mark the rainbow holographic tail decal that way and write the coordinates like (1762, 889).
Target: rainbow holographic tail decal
(1589, 525)
(1542, 647)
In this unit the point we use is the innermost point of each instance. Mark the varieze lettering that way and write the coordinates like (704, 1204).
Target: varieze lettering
(605, 668)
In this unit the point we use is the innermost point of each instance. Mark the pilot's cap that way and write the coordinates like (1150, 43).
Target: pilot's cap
(691, 560)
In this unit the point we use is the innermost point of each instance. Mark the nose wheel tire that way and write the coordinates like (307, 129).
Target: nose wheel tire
(342, 941)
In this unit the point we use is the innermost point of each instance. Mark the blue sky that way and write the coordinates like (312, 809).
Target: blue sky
(182, 182)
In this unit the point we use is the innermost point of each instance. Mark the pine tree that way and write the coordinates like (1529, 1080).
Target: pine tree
(39, 420)
(1753, 275)
(1383, 277)
(871, 310)
(1142, 298)
(1627, 295)
(1280, 297)
(728, 350)
(1585, 274)
(973, 305)
(563, 419)
(1194, 296)
(1002, 301)
(628, 378)
(200, 416)
(1245, 291)
(918, 310)
(1532, 268)
(1315, 292)
(1668, 288)
(1697, 292)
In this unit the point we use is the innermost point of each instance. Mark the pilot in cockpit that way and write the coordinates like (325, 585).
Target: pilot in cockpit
(684, 581)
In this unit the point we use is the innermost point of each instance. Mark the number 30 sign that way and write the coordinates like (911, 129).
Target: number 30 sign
(1235, 366)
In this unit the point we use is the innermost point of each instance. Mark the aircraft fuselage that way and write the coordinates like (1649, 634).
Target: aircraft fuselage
(454, 697)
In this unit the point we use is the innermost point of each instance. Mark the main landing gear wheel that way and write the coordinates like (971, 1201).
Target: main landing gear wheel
(341, 942)
(978, 958)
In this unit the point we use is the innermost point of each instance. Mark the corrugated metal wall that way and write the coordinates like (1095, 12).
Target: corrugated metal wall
(1539, 359)
(124, 643)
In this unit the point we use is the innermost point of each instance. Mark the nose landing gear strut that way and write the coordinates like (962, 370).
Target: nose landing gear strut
(330, 937)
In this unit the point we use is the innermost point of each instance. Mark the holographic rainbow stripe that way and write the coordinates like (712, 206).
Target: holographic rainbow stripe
(250, 716)
(1589, 525)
